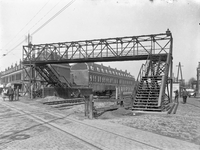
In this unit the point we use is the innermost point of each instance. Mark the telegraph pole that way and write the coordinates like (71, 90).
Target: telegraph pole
(181, 82)
(30, 69)
(179, 68)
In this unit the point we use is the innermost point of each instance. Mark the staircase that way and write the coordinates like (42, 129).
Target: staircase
(51, 76)
(149, 83)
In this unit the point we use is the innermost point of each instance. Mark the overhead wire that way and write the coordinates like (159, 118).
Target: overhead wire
(45, 14)
(54, 16)
(27, 23)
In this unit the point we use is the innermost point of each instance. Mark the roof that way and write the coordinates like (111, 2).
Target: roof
(101, 68)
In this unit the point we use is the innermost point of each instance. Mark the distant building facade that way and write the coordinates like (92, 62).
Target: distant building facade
(98, 77)
(17, 75)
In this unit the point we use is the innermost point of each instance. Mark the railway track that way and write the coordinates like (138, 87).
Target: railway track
(81, 124)
(53, 126)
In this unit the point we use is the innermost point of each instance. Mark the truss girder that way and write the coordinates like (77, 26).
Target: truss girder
(110, 49)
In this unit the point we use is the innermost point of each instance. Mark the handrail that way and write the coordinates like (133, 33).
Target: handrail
(143, 69)
(163, 83)
(59, 75)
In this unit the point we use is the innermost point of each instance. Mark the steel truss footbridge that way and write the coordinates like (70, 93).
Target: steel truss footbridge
(153, 89)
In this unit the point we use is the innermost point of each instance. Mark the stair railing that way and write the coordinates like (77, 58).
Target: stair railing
(164, 80)
(66, 81)
(142, 72)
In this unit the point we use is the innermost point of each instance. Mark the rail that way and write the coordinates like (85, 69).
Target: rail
(97, 50)
(164, 80)
(142, 72)
(58, 75)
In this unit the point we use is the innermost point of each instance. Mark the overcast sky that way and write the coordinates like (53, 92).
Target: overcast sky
(91, 19)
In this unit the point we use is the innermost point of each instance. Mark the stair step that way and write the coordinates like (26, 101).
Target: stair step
(147, 95)
(148, 89)
(146, 100)
(144, 104)
(146, 109)
(152, 77)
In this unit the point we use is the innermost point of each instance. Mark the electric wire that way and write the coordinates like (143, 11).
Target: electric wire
(45, 15)
(14, 48)
(54, 16)
(27, 23)
(60, 11)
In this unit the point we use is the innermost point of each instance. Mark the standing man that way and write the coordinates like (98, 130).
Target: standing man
(176, 96)
(10, 93)
(185, 94)
(4, 93)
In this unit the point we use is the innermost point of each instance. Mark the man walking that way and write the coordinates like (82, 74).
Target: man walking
(185, 94)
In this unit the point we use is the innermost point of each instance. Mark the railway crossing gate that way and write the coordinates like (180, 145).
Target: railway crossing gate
(153, 88)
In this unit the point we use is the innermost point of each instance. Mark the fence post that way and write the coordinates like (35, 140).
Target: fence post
(42, 91)
(86, 105)
(17, 93)
(91, 107)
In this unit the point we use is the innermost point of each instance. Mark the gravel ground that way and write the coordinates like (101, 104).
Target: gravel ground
(184, 125)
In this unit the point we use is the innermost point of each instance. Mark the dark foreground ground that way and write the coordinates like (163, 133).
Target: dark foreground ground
(184, 125)
(29, 124)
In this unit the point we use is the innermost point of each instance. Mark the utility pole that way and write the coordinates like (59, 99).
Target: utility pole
(30, 69)
(179, 68)
(181, 82)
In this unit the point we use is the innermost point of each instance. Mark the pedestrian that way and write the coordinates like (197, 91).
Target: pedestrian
(176, 96)
(185, 94)
(4, 93)
(10, 93)
(79, 93)
(72, 95)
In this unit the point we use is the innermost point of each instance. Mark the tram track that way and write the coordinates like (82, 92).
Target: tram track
(58, 128)
(52, 126)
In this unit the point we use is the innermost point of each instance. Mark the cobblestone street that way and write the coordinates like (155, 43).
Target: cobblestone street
(29, 125)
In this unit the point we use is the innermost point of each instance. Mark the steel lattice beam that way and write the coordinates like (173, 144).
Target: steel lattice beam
(110, 49)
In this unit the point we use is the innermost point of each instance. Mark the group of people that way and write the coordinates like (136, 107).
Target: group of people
(184, 95)
(8, 92)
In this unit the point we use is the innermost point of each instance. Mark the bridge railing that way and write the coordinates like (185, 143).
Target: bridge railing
(110, 49)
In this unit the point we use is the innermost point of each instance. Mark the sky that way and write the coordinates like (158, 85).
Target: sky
(95, 19)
